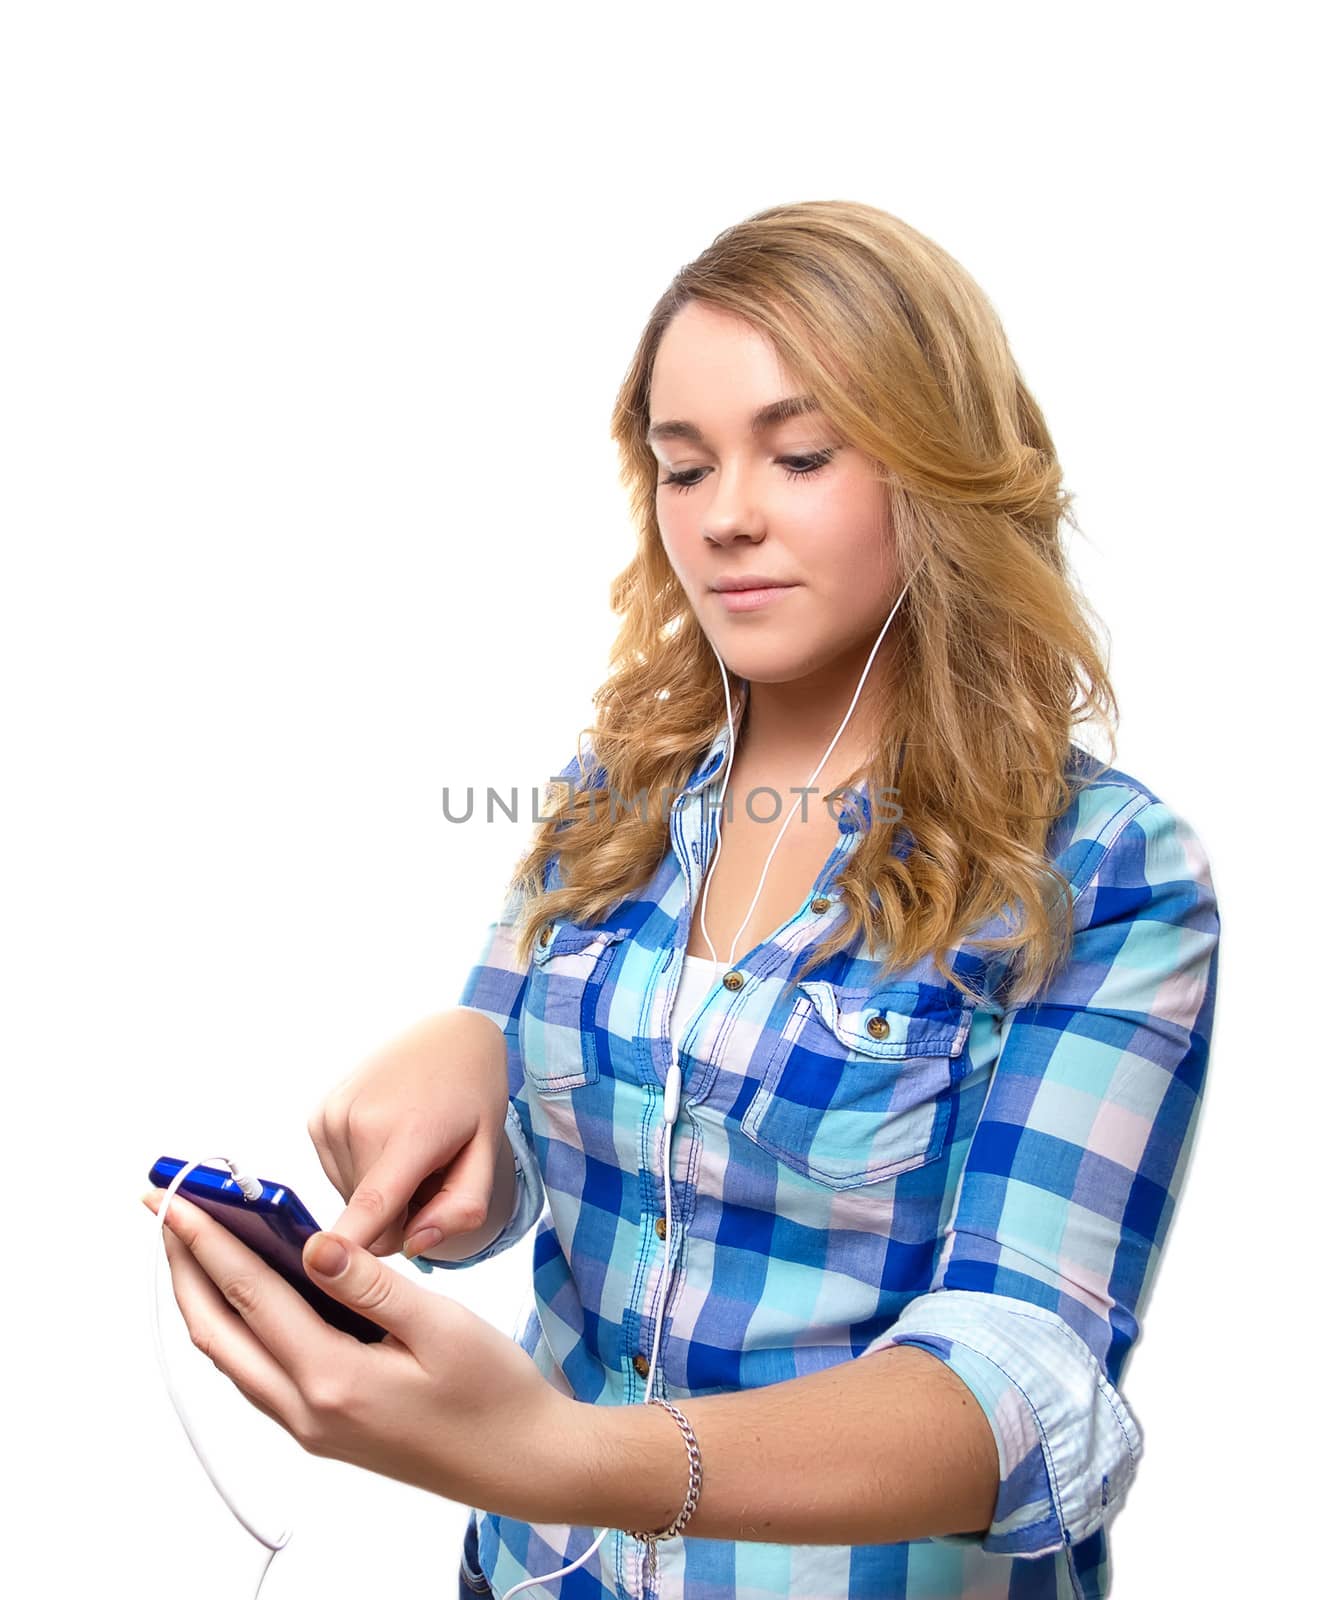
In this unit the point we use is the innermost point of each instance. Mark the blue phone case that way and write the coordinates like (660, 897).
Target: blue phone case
(275, 1226)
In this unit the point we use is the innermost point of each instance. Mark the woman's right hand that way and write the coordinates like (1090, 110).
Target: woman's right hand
(412, 1139)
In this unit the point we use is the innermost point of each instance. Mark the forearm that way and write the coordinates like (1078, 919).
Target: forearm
(872, 1451)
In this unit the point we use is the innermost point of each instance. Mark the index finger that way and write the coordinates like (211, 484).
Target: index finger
(387, 1187)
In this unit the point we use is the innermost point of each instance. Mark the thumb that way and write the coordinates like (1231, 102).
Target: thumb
(361, 1280)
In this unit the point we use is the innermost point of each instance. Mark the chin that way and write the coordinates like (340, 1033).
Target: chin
(769, 666)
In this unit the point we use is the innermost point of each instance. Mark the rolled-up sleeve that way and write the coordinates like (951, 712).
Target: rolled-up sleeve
(496, 986)
(1071, 1180)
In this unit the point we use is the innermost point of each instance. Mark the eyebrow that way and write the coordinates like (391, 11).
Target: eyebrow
(796, 405)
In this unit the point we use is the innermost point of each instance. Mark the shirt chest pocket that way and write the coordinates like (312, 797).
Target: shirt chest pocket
(859, 1085)
(565, 1000)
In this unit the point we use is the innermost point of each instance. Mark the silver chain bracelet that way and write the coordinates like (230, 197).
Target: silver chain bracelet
(693, 1487)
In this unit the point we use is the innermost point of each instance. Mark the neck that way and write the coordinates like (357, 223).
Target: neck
(787, 726)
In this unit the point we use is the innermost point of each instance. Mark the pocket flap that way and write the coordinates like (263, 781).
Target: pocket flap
(570, 938)
(909, 1019)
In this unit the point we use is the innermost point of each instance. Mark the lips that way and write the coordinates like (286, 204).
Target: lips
(748, 580)
(754, 597)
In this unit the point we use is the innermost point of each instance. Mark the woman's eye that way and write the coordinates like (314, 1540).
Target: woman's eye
(681, 480)
(805, 466)
(794, 467)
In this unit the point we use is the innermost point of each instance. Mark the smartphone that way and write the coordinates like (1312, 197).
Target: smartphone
(275, 1226)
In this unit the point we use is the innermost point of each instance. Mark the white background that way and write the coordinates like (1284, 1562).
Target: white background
(313, 320)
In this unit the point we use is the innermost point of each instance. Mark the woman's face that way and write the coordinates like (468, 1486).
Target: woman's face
(781, 499)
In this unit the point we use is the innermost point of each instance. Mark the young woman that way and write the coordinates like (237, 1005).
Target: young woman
(831, 921)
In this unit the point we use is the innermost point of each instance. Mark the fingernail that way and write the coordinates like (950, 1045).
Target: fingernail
(327, 1256)
(424, 1239)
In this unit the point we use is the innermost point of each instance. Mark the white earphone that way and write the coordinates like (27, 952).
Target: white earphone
(673, 1084)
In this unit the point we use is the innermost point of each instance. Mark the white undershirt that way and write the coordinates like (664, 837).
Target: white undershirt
(699, 974)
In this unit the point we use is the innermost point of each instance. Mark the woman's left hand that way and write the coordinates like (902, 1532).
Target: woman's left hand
(445, 1401)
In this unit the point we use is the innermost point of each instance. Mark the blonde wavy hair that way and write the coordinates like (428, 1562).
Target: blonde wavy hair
(992, 654)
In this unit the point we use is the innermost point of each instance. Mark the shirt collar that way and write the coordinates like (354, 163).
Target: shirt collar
(712, 763)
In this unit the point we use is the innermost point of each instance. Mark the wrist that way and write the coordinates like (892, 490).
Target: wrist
(504, 1187)
(621, 1466)
(549, 1469)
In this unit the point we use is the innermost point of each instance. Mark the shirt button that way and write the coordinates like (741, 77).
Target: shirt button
(733, 980)
(821, 903)
(642, 1366)
(546, 936)
(661, 1227)
(878, 1027)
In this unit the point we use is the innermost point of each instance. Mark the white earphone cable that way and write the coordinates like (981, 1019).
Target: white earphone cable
(673, 1084)
(728, 711)
(252, 1189)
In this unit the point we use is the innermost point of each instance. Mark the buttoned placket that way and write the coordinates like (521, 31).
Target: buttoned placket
(693, 830)
(637, 1564)
(690, 824)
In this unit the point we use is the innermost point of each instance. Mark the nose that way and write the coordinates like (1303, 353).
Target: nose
(731, 514)
(731, 503)
(724, 537)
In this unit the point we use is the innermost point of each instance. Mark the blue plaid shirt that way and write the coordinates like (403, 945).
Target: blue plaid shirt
(991, 1184)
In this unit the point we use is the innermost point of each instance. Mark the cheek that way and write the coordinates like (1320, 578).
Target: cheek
(851, 566)
(676, 534)
(841, 541)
